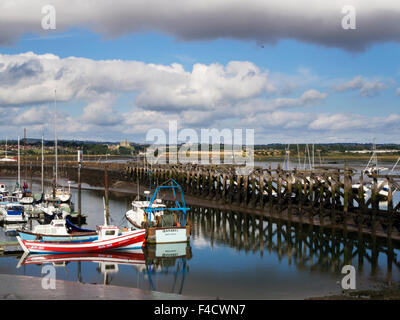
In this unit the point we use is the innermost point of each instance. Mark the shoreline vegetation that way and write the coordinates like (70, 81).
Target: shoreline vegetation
(326, 160)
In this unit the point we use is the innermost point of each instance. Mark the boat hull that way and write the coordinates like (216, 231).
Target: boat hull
(168, 234)
(30, 236)
(129, 240)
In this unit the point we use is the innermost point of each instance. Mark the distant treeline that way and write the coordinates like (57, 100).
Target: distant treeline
(102, 148)
(328, 147)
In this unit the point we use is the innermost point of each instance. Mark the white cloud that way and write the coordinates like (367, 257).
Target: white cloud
(353, 122)
(238, 94)
(364, 87)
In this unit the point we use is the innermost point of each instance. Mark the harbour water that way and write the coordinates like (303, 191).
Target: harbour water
(267, 260)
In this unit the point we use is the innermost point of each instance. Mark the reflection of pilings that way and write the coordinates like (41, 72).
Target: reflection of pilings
(304, 246)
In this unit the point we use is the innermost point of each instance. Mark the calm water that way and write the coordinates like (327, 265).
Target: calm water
(231, 255)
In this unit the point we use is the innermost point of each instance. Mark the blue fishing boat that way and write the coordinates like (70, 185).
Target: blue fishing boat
(59, 230)
(12, 212)
(163, 224)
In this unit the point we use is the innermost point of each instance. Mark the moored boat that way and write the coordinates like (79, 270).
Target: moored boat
(109, 238)
(12, 212)
(58, 230)
(162, 224)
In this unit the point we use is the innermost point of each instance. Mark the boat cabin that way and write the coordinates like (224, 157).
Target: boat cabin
(107, 232)
(138, 215)
(56, 227)
(3, 188)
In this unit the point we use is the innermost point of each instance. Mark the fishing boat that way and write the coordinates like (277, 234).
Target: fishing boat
(3, 189)
(162, 224)
(12, 212)
(109, 238)
(58, 230)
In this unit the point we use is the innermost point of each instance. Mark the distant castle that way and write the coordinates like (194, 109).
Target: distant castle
(125, 144)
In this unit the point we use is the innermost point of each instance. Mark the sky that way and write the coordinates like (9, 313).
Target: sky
(309, 71)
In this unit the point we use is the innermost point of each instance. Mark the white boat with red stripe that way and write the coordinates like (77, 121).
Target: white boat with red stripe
(110, 238)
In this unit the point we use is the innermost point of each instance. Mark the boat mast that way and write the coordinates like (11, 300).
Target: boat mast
(298, 154)
(391, 171)
(42, 166)
(55, 133)
(19, 167)
(6, 148)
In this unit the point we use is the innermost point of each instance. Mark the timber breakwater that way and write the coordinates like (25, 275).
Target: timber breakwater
(325, 196)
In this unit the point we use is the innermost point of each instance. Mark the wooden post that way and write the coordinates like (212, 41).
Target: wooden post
(261, 191)
(30, 171)
(361, 199)
(79, 190)
(245, 189)
(223, 187)
(106, 193)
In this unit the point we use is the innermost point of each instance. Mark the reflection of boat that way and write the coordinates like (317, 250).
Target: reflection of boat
(161, 257)
(162, 224)
(168, 251)
(119, 257)
(165, 259)
(11, 229)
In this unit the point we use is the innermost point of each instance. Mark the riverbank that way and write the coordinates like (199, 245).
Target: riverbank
(389, 293)
(30, 288)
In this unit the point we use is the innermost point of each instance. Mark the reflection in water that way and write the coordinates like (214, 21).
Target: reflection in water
(152, 260)
(304, 246)
(10, 230)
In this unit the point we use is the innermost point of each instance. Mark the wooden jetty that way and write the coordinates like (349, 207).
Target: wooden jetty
(326, 193)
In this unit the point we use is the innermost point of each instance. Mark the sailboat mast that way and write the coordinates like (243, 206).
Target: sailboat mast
(55, 132)
(42, 166)
(19, 166)
(6, 148)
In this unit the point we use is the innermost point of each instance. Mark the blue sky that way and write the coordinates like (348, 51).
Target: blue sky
(349, 90)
